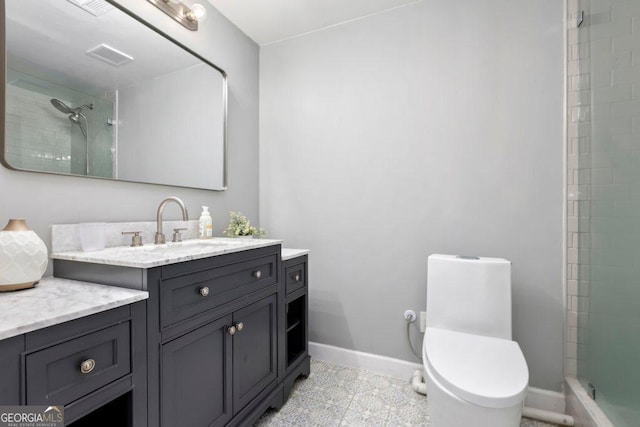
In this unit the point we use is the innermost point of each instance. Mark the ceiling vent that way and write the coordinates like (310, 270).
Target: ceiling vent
(94, 7)
(109, 55)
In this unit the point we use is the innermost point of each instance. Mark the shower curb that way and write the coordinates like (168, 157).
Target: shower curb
(583, 409)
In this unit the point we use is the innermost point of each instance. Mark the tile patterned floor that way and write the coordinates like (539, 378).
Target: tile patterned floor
(335, 395)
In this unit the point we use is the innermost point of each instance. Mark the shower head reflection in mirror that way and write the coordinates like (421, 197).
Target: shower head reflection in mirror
(75, 114)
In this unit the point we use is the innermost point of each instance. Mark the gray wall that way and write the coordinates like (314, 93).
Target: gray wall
(433, 128)
(47, 199)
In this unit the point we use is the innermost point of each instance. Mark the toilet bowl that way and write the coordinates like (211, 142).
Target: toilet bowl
(475, 374)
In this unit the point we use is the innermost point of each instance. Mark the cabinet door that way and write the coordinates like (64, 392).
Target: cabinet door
(196, 377)
(254, 350)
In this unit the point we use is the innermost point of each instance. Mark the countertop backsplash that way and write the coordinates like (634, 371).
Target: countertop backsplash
(66, 237)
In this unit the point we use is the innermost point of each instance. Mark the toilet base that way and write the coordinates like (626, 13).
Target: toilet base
(448, 410)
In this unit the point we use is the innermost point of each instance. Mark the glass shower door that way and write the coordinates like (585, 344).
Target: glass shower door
(608, 125)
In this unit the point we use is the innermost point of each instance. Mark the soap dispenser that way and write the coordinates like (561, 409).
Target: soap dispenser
(206, 224)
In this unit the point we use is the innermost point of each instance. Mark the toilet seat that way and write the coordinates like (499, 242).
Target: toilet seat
(486, 371)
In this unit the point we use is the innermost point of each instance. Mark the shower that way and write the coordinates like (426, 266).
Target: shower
(77, 117)
(75, 114)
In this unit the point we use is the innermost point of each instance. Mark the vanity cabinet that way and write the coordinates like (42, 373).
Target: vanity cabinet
(213, 334)
(211, 373)
(84, 364)
(296, 320)
(196, 389)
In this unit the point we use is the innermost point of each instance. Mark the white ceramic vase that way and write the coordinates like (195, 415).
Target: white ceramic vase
(23, 256)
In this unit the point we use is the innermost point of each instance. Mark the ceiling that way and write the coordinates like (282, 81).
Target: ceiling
(268, 21)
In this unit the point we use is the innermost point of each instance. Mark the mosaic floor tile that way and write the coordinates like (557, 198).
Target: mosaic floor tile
(335, 395)
(359, 419)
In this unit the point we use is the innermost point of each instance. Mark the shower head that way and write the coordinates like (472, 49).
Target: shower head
(61, 106)
(64, 108)
(75, 114)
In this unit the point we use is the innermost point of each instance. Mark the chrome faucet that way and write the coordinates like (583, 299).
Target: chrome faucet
(159, 239)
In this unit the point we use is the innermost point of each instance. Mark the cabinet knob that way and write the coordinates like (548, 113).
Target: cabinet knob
(204, 291)
(296, 277)
(87, 366)
(257, 274)
(239, 326)
(231, 330)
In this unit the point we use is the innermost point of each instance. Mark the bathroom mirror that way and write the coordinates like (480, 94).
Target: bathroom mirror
(91, 90)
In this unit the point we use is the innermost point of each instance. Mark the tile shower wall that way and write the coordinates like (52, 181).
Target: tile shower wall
(578, 147)
(40, 137)
(36, 138)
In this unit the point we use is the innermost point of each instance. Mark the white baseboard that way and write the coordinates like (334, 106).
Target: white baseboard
(536, 397)
(547, 400)
(356, 359)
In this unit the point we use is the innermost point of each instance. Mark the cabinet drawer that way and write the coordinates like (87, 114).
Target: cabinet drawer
(186, 296)
(295, 276)
(55, 375)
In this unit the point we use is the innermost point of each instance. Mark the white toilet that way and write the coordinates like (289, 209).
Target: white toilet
(475, 374)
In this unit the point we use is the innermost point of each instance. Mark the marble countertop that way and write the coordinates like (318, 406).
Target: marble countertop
(151, 255)
(289, 253)
(55, 301)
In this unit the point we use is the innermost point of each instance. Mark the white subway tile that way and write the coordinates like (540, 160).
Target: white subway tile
(579, 98)
(601, 79)
(579, 82)
(602, 28)
(571, 367)
(572, 256)
(613, 61)
(572, 289)
(626, 75)
(621, 92)
(600, 47)
(610, 192)
(623, 10)
(625, 108)
(602, 176)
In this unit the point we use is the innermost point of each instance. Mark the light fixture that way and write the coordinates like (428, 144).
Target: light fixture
(187, 16)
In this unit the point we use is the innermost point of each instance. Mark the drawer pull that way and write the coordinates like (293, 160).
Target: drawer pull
(239, 326)
(204, 291)
(296, 277)
(231, 330)
(257, 274)
(87, 366)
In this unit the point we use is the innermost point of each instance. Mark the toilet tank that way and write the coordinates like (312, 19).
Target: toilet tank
(469, 294)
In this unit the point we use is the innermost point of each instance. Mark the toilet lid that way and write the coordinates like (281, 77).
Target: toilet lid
(487, 371)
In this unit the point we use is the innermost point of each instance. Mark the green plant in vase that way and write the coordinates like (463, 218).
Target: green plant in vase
(240, 226)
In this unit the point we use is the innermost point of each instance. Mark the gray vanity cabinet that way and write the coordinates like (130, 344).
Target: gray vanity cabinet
(213, 333)
(254, 350)
(217, 336)
(295, 358)
(93, 362)
(196, 377)
(210, 374)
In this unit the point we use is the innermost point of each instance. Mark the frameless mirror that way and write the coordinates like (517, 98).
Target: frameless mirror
(91, 90)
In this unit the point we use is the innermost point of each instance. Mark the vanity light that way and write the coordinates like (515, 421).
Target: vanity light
(198, 13)
(187, 16)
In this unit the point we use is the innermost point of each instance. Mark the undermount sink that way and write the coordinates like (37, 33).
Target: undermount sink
(188, 245)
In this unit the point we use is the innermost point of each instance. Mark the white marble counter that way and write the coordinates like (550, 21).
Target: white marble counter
(151, 255)
(55, 301)
(289, 253)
